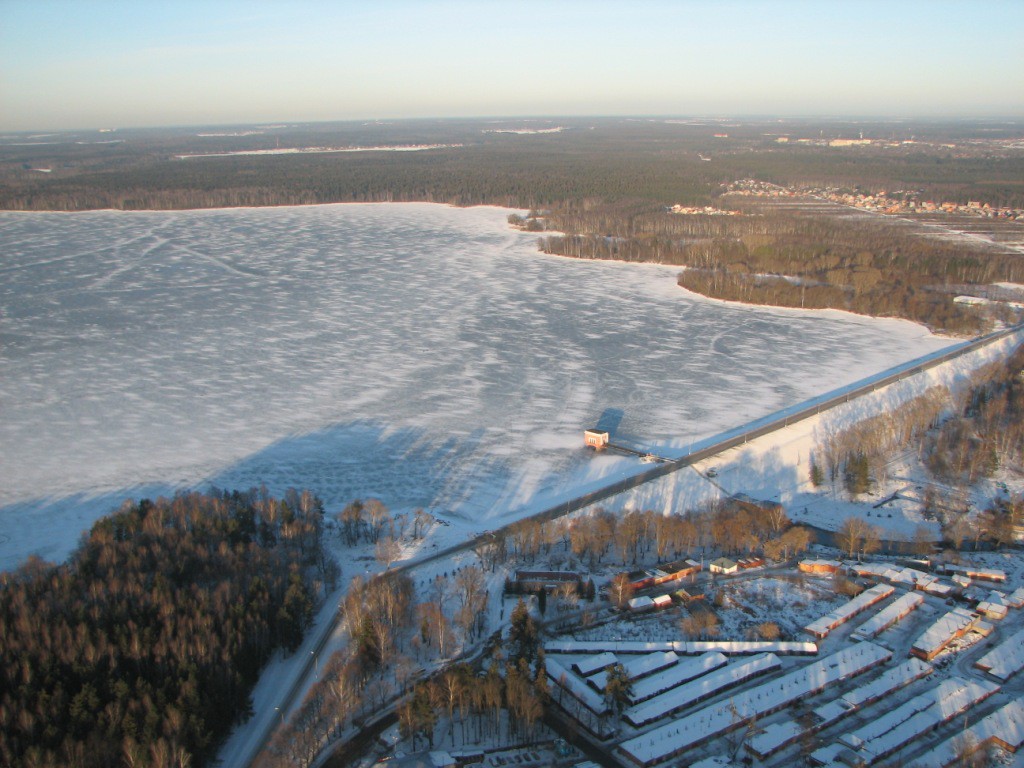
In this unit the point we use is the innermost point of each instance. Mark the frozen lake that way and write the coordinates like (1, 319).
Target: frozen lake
(426, 355)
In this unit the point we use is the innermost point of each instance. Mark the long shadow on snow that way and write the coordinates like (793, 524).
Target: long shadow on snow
(339, 463)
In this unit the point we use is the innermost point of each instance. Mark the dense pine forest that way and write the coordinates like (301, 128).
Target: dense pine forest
(143, 648)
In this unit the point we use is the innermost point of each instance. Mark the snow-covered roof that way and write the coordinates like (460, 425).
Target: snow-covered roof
(666, 740)
(890, 680)
(876, 570)
(1006, 659)
(595, 663)
(936, 588)
(641, 603)
(896, 728)
(844, 613)
(774, 737)
(986, 574)
(575, 685)
(681, 648)
(646, 665)
(778, 735)
(614, 646)
(993, 610)
(890, 730)
(947, 627)
(677, 675)
(696, 690)
(888, 616)
(638, 667)
(983, 628)
(827, 755)
(736, 647)
(1005, 724)
(909, 577)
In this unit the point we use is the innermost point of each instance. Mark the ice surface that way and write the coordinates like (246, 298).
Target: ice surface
(426, 355)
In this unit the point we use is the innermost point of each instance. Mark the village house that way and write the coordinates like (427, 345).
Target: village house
(535, 581)
(723, 565)
(825, 567)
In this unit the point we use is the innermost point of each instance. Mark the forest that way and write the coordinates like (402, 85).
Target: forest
(592, 162)
(143, 648)
(786, 257)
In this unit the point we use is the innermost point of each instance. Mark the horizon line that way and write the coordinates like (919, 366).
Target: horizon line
(710, 117)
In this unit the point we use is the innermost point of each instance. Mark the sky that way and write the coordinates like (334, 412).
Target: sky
(76, 64)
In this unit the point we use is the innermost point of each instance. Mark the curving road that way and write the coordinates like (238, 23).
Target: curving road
(739, 437)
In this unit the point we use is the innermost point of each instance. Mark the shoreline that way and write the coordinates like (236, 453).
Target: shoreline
(257, 207)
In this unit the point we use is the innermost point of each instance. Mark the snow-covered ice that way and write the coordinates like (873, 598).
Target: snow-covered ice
(426, 355)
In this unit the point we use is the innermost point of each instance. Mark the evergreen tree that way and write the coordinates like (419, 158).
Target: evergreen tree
(523, 639)
(857, 474)
(817, 475)
(618, 687)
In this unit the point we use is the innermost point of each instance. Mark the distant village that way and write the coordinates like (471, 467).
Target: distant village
(703, 210)
(898, 202)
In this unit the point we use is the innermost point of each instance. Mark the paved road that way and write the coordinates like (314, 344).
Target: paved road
(745, 434)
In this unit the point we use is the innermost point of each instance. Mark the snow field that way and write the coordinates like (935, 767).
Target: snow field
(425, 355)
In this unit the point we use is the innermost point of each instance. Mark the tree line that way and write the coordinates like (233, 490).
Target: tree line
(786, 258)
(143, 648)
(731, 526)
(595, 163)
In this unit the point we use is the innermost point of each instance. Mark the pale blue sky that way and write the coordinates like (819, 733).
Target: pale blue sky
(68, 64)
